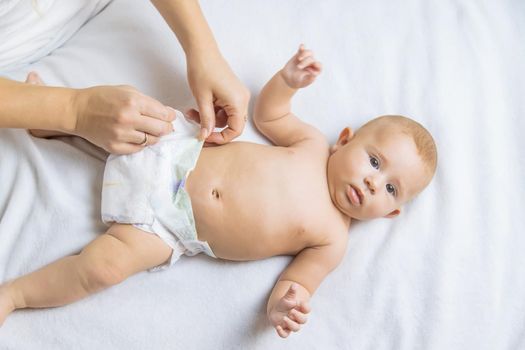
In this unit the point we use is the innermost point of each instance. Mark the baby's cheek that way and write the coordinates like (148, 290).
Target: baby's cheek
(378, 210)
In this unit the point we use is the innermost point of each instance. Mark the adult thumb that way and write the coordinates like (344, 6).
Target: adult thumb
(207, 115)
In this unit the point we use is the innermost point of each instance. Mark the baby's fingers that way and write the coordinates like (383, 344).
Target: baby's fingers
(315, 68)
(306, 62)
(304, 307)
(303, 52)
(297, 316)
(282, 333)
(291, 325)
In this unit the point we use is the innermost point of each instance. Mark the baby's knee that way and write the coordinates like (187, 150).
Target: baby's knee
(102, 268)
(102, 274)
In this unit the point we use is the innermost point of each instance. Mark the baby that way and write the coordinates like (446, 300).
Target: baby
(297, 197)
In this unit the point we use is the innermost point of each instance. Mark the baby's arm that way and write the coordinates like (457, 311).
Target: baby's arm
(288, 303)
(272, 114)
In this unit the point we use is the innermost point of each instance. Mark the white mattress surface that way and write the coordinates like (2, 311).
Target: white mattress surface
(446, 274)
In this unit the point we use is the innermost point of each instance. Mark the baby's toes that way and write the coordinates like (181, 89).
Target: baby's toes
(34, 78)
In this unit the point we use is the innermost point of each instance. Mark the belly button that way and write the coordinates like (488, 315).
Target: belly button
(215, 193)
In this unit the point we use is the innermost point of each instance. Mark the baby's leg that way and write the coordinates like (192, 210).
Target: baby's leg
(108, 260)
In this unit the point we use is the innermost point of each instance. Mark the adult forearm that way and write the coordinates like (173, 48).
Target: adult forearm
(36, 107)
(187, 21)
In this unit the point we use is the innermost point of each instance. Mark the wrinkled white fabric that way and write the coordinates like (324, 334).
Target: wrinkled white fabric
(446, 274)
(31, 29)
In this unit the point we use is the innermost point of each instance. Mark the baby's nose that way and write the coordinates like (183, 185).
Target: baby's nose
(370, 184)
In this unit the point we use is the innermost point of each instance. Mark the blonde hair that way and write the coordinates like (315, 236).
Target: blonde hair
(424, 141)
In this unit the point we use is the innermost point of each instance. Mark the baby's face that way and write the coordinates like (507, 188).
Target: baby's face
(373, 173)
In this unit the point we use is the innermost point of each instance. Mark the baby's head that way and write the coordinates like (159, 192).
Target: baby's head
(374, 171)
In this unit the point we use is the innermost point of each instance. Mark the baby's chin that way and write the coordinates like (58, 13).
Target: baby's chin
(367, 216)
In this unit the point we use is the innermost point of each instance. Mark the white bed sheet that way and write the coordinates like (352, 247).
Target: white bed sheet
(447, 274)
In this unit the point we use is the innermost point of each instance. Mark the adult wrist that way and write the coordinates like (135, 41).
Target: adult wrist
(76, 102)
(57, 109)
(202, 51)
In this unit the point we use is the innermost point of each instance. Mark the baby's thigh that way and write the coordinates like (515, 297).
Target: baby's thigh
(145, 250)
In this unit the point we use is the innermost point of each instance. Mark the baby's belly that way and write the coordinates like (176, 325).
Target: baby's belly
(243, 206)
(238, 232)
(239, 227)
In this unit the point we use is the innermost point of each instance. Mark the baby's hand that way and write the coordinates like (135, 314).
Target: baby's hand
(302, 69)
(289, 313)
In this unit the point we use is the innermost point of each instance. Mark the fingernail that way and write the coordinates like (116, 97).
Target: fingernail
(173, 112)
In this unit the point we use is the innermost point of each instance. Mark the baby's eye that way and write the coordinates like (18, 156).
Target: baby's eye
(391, 189)
(374, 162)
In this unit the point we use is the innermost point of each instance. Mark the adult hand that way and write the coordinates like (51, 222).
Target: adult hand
(120, 119)
(221, 98)
(117, 118)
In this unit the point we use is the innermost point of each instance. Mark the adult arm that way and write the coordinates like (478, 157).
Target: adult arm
(212, 82)
(112, 117)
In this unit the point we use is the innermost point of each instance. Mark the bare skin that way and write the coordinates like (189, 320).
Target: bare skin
(282, 197)
(117, 118)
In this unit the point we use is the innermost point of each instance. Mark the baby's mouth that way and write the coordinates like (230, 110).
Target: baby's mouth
(354, 195)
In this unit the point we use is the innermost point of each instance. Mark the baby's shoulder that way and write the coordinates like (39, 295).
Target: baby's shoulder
(330, 231)
(330, 246)
(314, 144)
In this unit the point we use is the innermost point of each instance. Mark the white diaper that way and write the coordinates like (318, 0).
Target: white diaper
(146, 189)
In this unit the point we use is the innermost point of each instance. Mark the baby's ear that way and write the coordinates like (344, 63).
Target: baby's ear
(393, 213)
(345, 136)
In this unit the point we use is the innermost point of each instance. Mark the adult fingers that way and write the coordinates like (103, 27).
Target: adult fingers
(152, 126)
(124, 148)
(142, 138)
(153, 117)
(221, 118)
(193, 114)
(236, 122)
(133, 142)
(150, 107)
(207, 116)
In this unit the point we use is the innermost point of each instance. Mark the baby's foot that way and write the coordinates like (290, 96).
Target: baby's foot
(6, 303)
